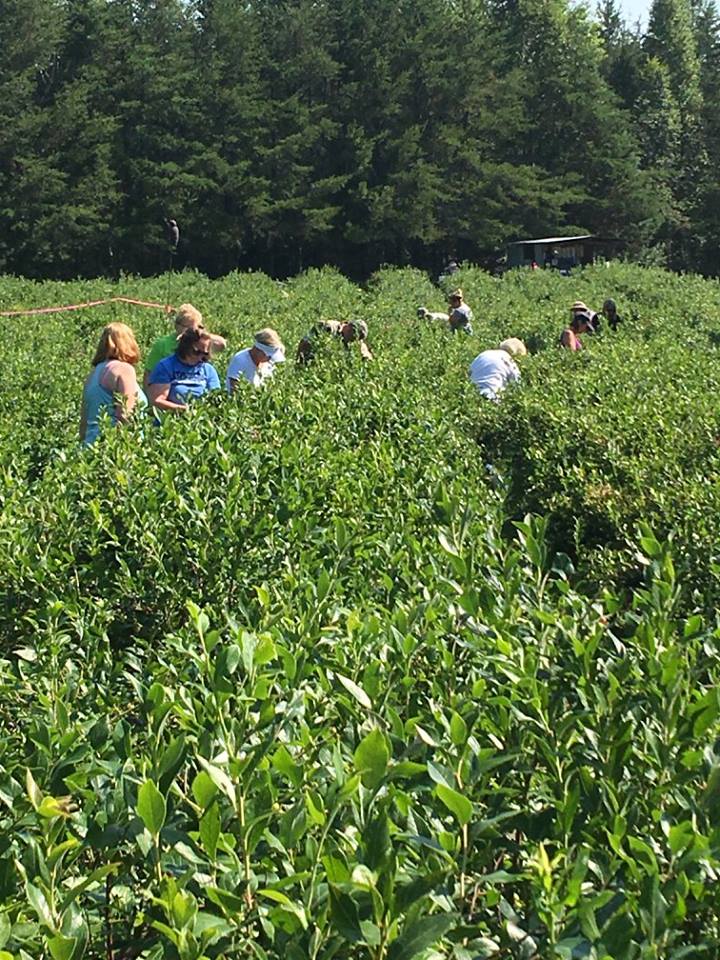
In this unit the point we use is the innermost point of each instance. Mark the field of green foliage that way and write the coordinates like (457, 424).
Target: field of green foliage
(362, 666)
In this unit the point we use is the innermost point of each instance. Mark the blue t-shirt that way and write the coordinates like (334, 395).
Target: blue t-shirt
(187, 380)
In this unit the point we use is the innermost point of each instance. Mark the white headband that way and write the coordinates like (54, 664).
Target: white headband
(276, 354)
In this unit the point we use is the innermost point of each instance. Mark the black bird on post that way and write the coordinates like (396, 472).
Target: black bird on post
(173, 235)
(172, 232)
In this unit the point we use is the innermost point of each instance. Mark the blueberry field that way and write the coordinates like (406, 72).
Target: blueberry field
(362, 666)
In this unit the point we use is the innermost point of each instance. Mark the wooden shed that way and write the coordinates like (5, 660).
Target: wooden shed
(561, 252)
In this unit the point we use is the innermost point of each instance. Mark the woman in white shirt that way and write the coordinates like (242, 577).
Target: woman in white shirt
(492, 370)
(257, 363)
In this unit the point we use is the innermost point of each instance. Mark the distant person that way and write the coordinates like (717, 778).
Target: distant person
(451, 267)
(112, 387)
(347, 331)
(424, 314)
(582, 320)
(493, 370)
(257, 363)
(592, 318)
(460, 313)
(185, 376)
(187, 317)
(609, 311)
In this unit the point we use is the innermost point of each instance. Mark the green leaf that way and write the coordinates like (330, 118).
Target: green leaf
(314, 809)
(362, 698)
(170, 762)
(5, 928)
(40, 905)
(458, 730)
(265, 651)
(371, 759)
(284, 764)
(420, 935)
(407, 894)
(226, 900)
(456, 803)
(33, 790)
(203, 789)
(220, 779)
(62, 948)
(98, 874)
(210, 830)
(376, 841)
(344, 915)
(151, 807)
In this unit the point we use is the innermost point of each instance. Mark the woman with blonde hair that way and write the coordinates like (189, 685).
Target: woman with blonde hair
(187, 317)
(112, 385)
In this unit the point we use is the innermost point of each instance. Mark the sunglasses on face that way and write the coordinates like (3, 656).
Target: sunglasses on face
(201, 353)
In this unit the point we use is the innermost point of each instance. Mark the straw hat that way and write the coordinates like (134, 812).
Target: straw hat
(514, 346)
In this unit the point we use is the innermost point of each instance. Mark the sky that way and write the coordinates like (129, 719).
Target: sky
(632, 9)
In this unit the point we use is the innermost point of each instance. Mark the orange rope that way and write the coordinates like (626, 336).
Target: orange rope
(90, 303)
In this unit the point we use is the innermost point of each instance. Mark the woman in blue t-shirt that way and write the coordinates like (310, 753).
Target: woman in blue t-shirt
(185, 375)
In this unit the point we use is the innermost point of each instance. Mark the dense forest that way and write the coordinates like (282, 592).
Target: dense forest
(287, 133)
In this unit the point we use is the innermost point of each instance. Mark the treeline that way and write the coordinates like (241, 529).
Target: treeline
(287, 133)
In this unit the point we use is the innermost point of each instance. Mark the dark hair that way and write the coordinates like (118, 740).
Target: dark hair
(189, 341)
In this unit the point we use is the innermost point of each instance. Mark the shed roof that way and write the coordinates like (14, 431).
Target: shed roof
(582, 236)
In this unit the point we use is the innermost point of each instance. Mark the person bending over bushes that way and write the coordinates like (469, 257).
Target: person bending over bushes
(112, 386)
(349, 331)
(492, 370)
(185, 376)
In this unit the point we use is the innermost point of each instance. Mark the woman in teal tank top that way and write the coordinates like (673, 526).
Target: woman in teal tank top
(112, 386)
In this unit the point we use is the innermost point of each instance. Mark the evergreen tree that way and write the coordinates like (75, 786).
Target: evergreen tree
(671, 40)
(31, 185)
(578, 130)
(161, 156)
(230, 55)
(706, 213)
(296, 155)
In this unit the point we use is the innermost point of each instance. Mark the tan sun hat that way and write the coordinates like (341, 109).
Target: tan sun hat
(456, 294)
(514, 346)
(579, 305)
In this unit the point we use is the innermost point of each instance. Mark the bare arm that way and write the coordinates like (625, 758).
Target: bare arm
(304, 350)
(217, 343)
(125, 391)
(365, 351)
(158, 397)
(83, 414)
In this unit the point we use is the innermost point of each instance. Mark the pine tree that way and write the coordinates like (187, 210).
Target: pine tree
(31, 186)
(671, 40)
(231, 56)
